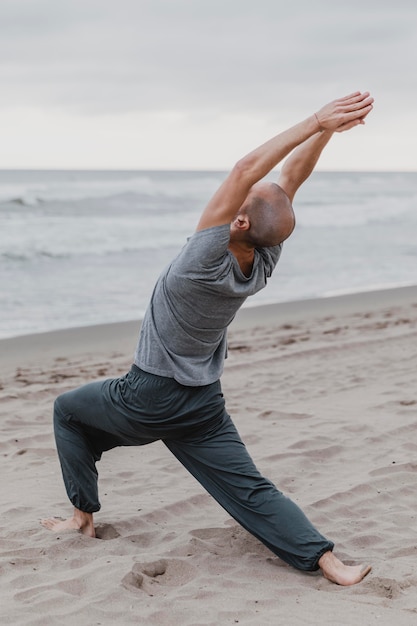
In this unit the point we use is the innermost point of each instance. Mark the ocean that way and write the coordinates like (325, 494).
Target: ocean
(85, 247)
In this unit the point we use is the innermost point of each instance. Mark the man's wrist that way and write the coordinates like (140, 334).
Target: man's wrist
(320, 127)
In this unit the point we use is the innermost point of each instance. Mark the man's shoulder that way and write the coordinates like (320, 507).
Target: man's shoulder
(206, 246)
(222, 230)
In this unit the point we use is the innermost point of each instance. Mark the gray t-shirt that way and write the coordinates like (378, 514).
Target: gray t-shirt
(183, 334)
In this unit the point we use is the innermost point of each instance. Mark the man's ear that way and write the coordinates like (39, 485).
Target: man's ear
(241, 222)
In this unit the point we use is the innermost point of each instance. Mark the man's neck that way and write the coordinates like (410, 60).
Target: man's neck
(244, 255)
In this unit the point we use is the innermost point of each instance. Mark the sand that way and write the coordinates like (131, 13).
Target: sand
(324, 394)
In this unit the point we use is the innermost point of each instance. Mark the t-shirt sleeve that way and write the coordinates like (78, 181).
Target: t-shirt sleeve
(270, 257)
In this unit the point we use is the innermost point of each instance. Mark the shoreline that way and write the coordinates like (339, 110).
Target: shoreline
(121, 337)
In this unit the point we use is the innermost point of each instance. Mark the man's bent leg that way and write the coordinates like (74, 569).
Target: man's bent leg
(78, 448)
(221, 463)
(88, 421)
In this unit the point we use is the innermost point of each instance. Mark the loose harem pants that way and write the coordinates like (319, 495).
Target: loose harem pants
(140, 408)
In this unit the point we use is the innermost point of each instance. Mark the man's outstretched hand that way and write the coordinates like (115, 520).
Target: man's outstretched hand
(345, 113)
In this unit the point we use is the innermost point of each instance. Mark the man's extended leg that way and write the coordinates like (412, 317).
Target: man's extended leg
(221, 463)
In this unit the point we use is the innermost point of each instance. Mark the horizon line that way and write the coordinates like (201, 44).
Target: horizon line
(188, 169)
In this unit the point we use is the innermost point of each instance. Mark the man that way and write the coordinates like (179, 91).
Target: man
(172, 391)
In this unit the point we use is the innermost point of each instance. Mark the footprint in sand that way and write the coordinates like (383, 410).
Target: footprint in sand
(152, 577)
(225, 542)
(106, 532)
(388, 588)
(281, 415)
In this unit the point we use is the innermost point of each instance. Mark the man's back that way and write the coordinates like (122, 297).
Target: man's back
(183, 334)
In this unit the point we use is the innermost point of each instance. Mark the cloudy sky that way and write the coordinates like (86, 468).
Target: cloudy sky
(198, 83)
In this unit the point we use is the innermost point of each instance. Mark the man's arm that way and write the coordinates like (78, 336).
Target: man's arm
(340, 114)
(301, 163)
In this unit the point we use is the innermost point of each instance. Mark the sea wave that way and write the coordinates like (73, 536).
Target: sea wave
(81, 247)
(35, 188)
(32, 256)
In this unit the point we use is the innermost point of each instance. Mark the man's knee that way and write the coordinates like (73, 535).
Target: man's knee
(61, 409)
(65, 427)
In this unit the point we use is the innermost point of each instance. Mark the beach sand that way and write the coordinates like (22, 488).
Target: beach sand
(324, 393)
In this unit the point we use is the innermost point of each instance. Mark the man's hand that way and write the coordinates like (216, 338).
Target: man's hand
(345, 113)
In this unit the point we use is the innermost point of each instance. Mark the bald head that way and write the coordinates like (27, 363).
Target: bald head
(269, 214)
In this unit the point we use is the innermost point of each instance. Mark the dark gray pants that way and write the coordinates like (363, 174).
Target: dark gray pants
(140, 408)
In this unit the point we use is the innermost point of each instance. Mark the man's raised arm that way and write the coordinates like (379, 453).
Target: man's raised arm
(302, 161)
(340, 114)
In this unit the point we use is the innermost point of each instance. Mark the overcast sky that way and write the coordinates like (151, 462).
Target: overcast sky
(198, 83)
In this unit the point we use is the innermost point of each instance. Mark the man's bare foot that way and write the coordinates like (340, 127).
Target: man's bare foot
(339, 573)
(79, 521)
